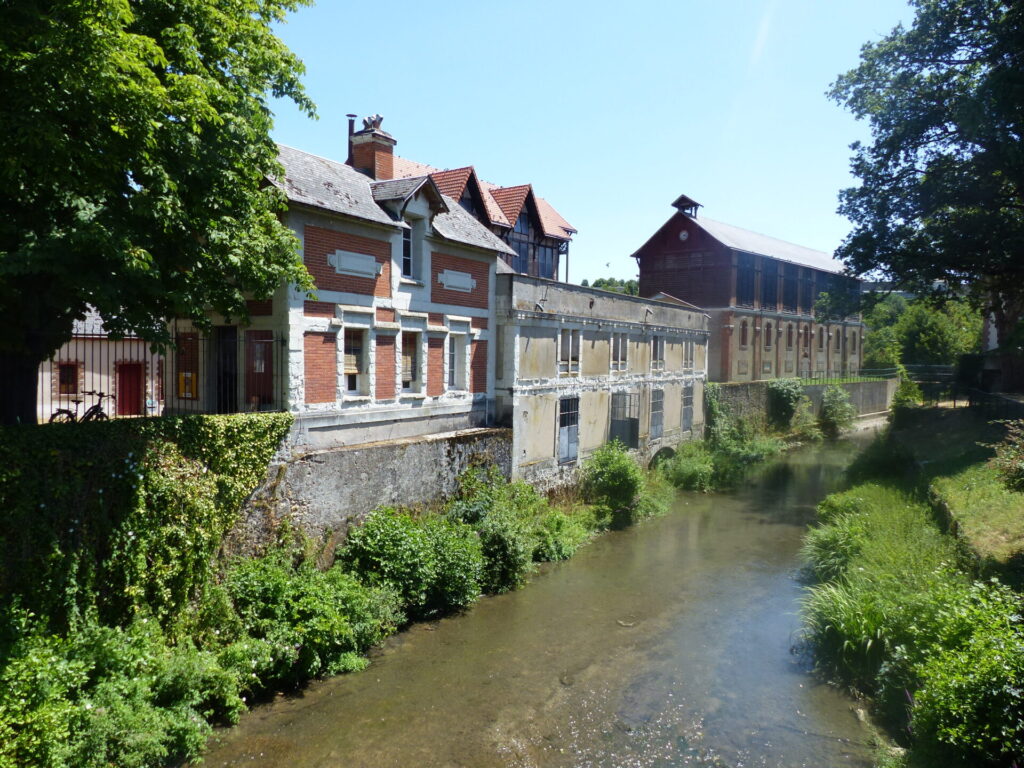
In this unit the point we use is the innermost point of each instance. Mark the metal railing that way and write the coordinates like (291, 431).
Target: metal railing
(96, 377)
(993, 405)
(838, 377)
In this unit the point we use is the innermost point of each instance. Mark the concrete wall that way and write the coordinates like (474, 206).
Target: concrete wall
(322, 492)
(749, 400)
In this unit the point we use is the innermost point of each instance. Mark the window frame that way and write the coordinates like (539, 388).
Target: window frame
(656, 420)
(568, 352)
(73, 385)
(361, 367)
(411, 267)
(657, 353)
(620, 352)
(415, 384)
(568, 417)
(455, 359)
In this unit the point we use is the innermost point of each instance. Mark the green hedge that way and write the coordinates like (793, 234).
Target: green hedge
(123, 516)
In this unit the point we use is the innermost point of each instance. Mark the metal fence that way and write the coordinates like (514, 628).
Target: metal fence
(835, 377)
(95, 377)
(993, 405)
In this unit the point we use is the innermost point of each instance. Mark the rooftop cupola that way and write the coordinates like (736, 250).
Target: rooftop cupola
(687, 205)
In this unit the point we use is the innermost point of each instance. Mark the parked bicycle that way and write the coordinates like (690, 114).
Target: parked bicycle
(94, 412)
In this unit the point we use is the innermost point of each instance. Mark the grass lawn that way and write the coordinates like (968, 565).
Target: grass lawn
(990, 518)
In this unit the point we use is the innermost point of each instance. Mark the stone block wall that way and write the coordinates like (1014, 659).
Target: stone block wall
(749, 400)
(321, 493)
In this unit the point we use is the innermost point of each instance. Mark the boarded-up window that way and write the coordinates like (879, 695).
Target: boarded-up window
(67, 379)
(410, 361)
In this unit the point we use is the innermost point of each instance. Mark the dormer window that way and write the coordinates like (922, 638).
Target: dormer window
(523, 223)
(466, 201)
(412, 239)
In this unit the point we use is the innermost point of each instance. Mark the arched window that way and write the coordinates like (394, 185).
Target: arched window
(807, 337)
(743, 334)
(768, 336)
(789, 336)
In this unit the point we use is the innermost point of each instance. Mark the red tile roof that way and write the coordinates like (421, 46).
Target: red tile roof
(510, 200)
(501, 204)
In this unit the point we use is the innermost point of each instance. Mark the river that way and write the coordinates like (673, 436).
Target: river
(668, 644)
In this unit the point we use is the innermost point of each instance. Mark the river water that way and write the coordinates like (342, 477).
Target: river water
(668, 644)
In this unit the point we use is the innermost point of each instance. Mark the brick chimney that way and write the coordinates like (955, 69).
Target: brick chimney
(373, 150)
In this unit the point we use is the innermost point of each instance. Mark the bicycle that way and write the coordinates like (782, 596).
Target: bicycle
(94, 412)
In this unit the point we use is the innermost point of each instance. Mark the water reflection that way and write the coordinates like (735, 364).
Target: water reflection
(664, 645)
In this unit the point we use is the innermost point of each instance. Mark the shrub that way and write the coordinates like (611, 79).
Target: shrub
(1009, 458)
(611, 477)
(828, 549)
(784, 396)
(655, 497)
(804, 426)
(557, 536)
(300, 622)
(908, 392)
(692, 468)
(837, 412)
(508, 551)
(435, 564)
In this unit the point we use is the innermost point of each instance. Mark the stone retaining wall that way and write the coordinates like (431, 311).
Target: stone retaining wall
(749, 400)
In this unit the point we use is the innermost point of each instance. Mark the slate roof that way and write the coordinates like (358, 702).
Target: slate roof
(459, 225)
(753, 242)
(336, 187)
(327, 184)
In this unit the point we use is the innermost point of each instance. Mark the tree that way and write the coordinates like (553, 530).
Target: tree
(918, 333)
(617, 285)
(940, 205)
(134, 168)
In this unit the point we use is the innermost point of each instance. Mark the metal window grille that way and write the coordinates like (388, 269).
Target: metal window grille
(657, 412)
(625, 419)
(568, 429)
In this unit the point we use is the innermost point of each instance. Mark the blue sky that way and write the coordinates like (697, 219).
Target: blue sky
(610, 110)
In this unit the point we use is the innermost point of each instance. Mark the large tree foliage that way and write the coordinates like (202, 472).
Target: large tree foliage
(919, 333)
(940, 205)
(134, 167)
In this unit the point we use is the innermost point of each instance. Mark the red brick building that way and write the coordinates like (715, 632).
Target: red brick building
(760, 293)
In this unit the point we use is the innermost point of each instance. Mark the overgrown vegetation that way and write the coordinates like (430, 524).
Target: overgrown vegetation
(837, 412)
(1009, 459)
(901, 615)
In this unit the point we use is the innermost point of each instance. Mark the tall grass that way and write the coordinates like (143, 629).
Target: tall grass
(897, 616)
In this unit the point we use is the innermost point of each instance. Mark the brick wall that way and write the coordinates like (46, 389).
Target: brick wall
(480, 271)
(260, 308)
(435, 366)
(385, 315)
(479, 322)
(478, 367)
(320, 242)
(385, 373)
(321, 366)
(435, 318)
(318, 309)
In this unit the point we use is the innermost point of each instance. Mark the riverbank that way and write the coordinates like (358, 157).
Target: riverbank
(900, 612)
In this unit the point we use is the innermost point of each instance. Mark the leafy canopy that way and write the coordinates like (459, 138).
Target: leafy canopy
(940, 203)
(133, 174)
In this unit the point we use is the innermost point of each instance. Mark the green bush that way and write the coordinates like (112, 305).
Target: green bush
(828, 549)
(508, 551)
(692, 468)
(557, 536)
(1009, 458)
(124, 516)
(804, 426)
(908, 392)
(784, 396)
(837, 412)
(434, 564)
(655, 497)
(103, 696)
(299, 622)
(611, 477)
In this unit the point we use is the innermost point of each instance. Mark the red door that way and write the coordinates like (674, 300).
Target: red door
(129, 389)
(259, 369)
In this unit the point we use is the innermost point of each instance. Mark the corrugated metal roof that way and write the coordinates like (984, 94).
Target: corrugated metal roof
(753, 242)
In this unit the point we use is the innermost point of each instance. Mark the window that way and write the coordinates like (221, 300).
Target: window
(410, 362)
(853, 342)
(569, 352)
(625, 419)
(568, 429)
(456, 361)
(807, 291)
(355, 361)
(522, 223)
(466, 201)
(657, 412)
(744, 333)
(658, 353)
(687, 423)
(744, 280)
(689, 348)
(789, 336)
(769, 284)
(807, 337)
(521, 261)
(790, 282)
(821, 338)
(545, 261)
(620, 345)
(767, 335)
(187, 365)
(411, 240)
(67, 379)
